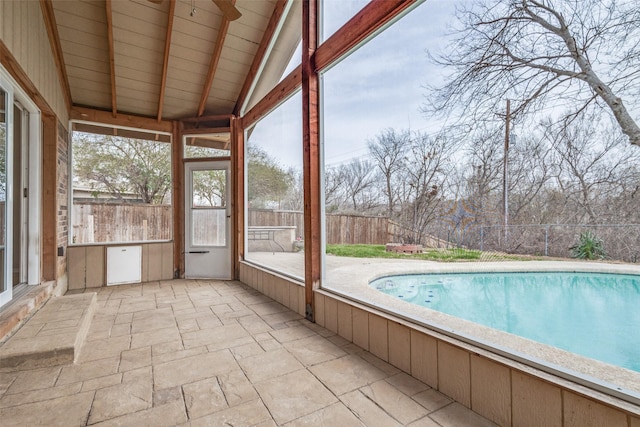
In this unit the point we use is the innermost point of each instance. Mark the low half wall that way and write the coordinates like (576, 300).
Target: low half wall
(505, 391)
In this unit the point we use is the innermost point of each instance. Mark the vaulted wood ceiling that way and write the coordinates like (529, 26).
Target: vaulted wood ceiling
(162, 59)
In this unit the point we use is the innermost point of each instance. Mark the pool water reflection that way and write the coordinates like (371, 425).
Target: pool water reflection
(592, 314)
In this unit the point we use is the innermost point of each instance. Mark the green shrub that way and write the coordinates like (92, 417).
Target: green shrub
(589, 246)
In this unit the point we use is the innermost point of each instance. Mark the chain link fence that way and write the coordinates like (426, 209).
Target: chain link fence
(621, 241)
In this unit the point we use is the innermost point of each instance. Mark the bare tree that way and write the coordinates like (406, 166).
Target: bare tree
(333, 189)
(427, 165)
(543, 53)
(590, 163)
(358, 178)
(530, 172)
(485, 155)
(387, 151)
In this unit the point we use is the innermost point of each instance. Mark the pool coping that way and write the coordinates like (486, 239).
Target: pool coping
(617, 382)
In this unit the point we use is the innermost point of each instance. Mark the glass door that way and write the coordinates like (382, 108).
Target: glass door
(20, 195)
(207, 220)
(20, 191)
(5, 240)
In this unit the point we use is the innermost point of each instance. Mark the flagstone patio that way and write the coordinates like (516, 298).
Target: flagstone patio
(206, 353)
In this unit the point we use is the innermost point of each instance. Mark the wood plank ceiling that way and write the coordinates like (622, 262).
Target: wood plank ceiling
(164, 60)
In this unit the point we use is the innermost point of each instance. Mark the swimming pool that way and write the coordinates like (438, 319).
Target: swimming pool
(593, 314)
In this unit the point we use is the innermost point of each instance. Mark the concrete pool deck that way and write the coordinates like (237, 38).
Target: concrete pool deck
(350, 277)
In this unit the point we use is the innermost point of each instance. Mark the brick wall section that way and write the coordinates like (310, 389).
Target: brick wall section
(62, 196)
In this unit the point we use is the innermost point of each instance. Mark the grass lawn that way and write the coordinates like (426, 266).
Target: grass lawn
(455, 254)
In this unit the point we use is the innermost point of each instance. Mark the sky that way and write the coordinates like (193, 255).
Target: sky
(379, 86)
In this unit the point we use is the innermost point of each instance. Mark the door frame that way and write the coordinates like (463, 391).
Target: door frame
(34, 185)
(207, 164)
(25, 185)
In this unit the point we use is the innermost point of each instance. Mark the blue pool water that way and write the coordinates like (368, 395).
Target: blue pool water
(595, 315)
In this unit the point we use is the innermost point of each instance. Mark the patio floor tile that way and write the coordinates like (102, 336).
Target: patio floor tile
(194, 368)
(134, 394)
(204, 397)
(269, 365)
(168, 415)
(314, 350)
(246, 414)
(206, 352)
(35, 379)
(432, 399)
(63, 411)
(294, 395)
(367, 410)
(393, 401)
(347, 373)
(456, 415)
(334, 415)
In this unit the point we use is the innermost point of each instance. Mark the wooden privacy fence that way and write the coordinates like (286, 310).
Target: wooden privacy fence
(110, 222)
(340, 229)
(351, 230)
(272, 218)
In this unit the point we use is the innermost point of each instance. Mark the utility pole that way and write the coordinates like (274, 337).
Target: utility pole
(505, 180)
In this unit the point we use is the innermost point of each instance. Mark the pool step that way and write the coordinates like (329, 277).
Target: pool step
(53, 336)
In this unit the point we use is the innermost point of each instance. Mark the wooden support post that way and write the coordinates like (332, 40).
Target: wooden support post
(177, 196)
(311, 156)
(238, 170)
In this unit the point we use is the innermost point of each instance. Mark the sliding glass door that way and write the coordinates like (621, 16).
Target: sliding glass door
(6, 113)
(20, 195)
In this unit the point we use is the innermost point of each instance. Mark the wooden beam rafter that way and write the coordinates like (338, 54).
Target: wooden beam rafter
(125, 120)
(112, 62)
(213, 65)
(370, 19)
(258, 59)
(56, 49)
(205, 131)
(211, 118)
(165, 61)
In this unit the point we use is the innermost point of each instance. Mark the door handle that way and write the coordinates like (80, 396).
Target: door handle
(198, 252)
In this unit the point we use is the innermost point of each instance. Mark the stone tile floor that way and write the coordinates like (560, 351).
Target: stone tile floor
(209, 353)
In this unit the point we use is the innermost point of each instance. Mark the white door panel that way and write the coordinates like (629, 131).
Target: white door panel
(207, 220)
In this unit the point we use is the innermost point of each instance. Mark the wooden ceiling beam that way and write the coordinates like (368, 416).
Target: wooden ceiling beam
(56, 49)
(205, 131)
(370, 19)
(112, 62)
(213, 65)
(210, 118)
(267, 40)
(165, 62)
(125, 120)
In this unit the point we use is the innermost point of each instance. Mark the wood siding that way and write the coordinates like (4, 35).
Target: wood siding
(23, 32)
